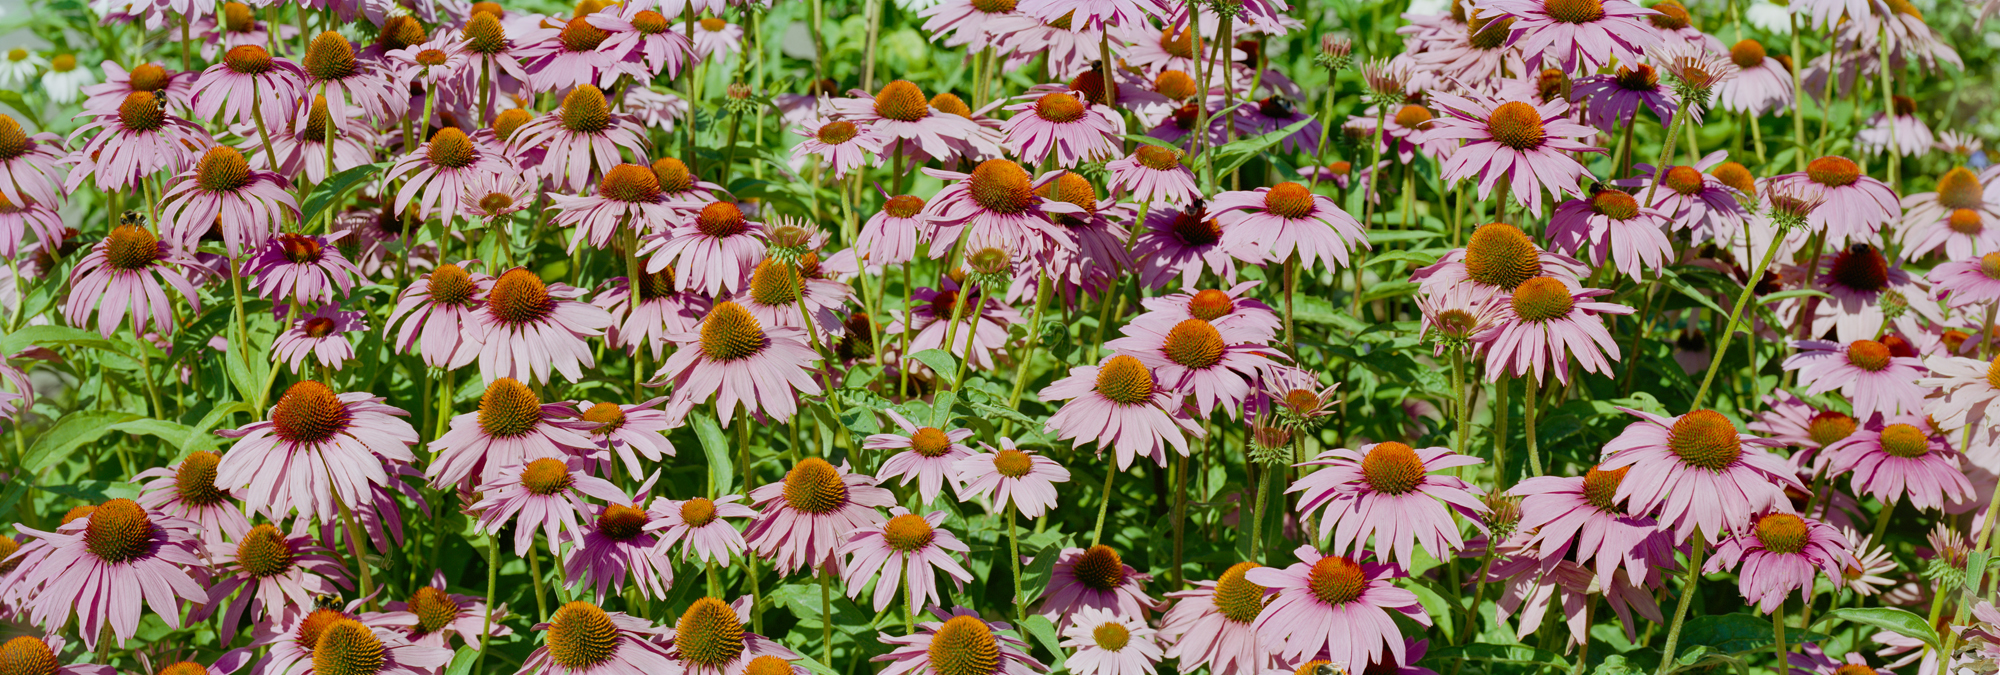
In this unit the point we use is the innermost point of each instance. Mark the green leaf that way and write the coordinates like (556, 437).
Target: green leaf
(1794, 293)
(70, 433)
(940, 361)
(1522, 655)
(1414, 258)
(716, 447)
(1045, 633)
(1735, 634)
(49, 336)
(1234, 154)
(1615, 664)
(248, 377)
(1900, 621)
(13, 100)
(462, 662)
(807, 661)
(941, 410)
(180, 436)
(326, 195)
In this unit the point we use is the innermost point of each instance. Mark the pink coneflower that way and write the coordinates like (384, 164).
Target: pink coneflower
(28, 164)
(1779, 555)
(997, 202)
(709, 639)
(890, 236)
(1062, 127)
(616, 549)
(564, 54)
(1546, 324)
(582, 639)
(1213, 625)
(628, 197)
(187, 490)
(1103, 643)
(1526, 143)
(1120, 405)
(906, 548)
(1186, 242)
(546, 493)
(803, 519)
(661, 311)
(713, 36)
(320, 335)
(842, 144)
(582, 139)
(959, 643)
(1864, 371)
(432, 616)
(1703, 203)
(221, 190)
(1454, 315)
(436, 174)
(1389, 490)
(781, 295)
(1761, 84)
(1612, 226)
(983, 322)
(1812, 660)
(1615, 99)
(1854, 206)
(1581, 516)
(1910, 135)
(126, 273)
(529, 328)
(901, 119)
(136, 139)
(1698, 471)
(1213, 364)
(301, 146)
(511, 427)
(17, 219)
(1898, 459)
(974, 24)
(627, 432)
(170, 86)
(333, 71)
(927, 455)
(1288, 220)
(278, 571)
(301, 268)
(711, 252)
(1095, 578)
(1231, 307)
(1564, 34)
(1967, 283)
(643, 41)
(1334, 605)
(736, 360)
(105, 569)
(1957, 216)
(346, 644)
(287, 463)
(1153, 174)
(1858, 276)
(437, 308)
(697, 527)
(247, 83)
(1790, 421)
(1498, 258)
(1962, 392)
(1010, 475)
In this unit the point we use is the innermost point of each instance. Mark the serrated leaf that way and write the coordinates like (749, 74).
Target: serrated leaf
(1899, 621)
(715, 446)
(69, 433)
(327, 194)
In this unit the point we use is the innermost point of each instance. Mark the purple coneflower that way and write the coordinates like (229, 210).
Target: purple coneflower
(1612, 226)
(529, 328)
(105, 569)
(546, 493)
(713, 36)
(1498, 258)
(1761, 84)
(568, 54)
(1153, 174)
(643, 42)
(661, 311)
(628, 432)
(697, 527)
(436, 308)
(1120, 405)
(712, 251)
(997, 202)
(843, 145)
(1546, 324)
(959, 643)
(1527, 144)
(1231, 307)
(279, 572)
(905, 549)
(1061, 126)
(437, 173)
(1853, 206)
(1958, 217)
(1390, 490)
(1566, 34)
(927, 455)
(1213, 624)
(316, 447)
(1094, 578)
(28, 164)
(1582, 515)
(1103, 643)
(618, 548)
(1277, 113)
(1336, 606)
(302, 148)
(581, 139)
(333, 71)
(247, 83)
(582, 639)
(432, 616)
(1213, 364)
(171, 86)
(902, 120)
(1858, 276)
(187, 490)
(628, 197)
(890, 236)
(800, 517)
(1866, 373)
(1010, 475)
(136, 139)
(124, 275)
(511, 427)
(17, 219)
(1779, 555)
(1288, 220)
(1615, 99)
(982, 329)
(1704, 203)
(1899, 458)
(1901, 132)
(1187, 241)
(735, 360)
(320, 335)
(1698, 472)
(221, 190)
(301, 268)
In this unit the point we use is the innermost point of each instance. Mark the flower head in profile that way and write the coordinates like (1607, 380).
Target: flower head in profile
(437, 174)
(1957, 217)
(1336, 606)
(1065, 126)
(626, 433)
(333, 70)
(1581, 518)
(628, 197)
(711, 250)
(582, 139)
(799, 517)
(28, 164)
(905, 549)
(1852, 206)
(1564, 34)
(1779, 554)
(1096, 577)
(134, 140)
(1154, 174)
(617, 548)
(320, 336)
(1010, 475)
(187, 490)
(1614, 228)
(432, 616)
(1289, 219)
(958, 643)
(301, 268)
(317, 446)
(1122, 406)
(583, 639)
(104, 569)
(1902, 459)
(843, 145)
(1699, 453)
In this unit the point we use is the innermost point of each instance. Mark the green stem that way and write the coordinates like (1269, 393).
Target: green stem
(1500, 431)
(1034, 340)
(1531, 401)
(1014, 556)
(1778, 647)
(1667, 152)
(1688, 589)
(1882, 522)
(535, 574)
(826, 616)
(1097, 533)
(1263, 496)
(355, 548)
(1729, 329)
(492, 587)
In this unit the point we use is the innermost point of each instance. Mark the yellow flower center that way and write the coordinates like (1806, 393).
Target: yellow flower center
(264, 552)
(1783, 533)
(509, 409)
(709, 634)
(814, 486)
(1542, 299)
(1705, 439)
(1501, 255)
(730, 333)
(1125, 380)
(1099, 568)
(1905, 441)
(1392, 468)
(1235, 597)
(309, 413)
(1518, 125)
(1336, 580)
(581, 636)
(908, 532)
